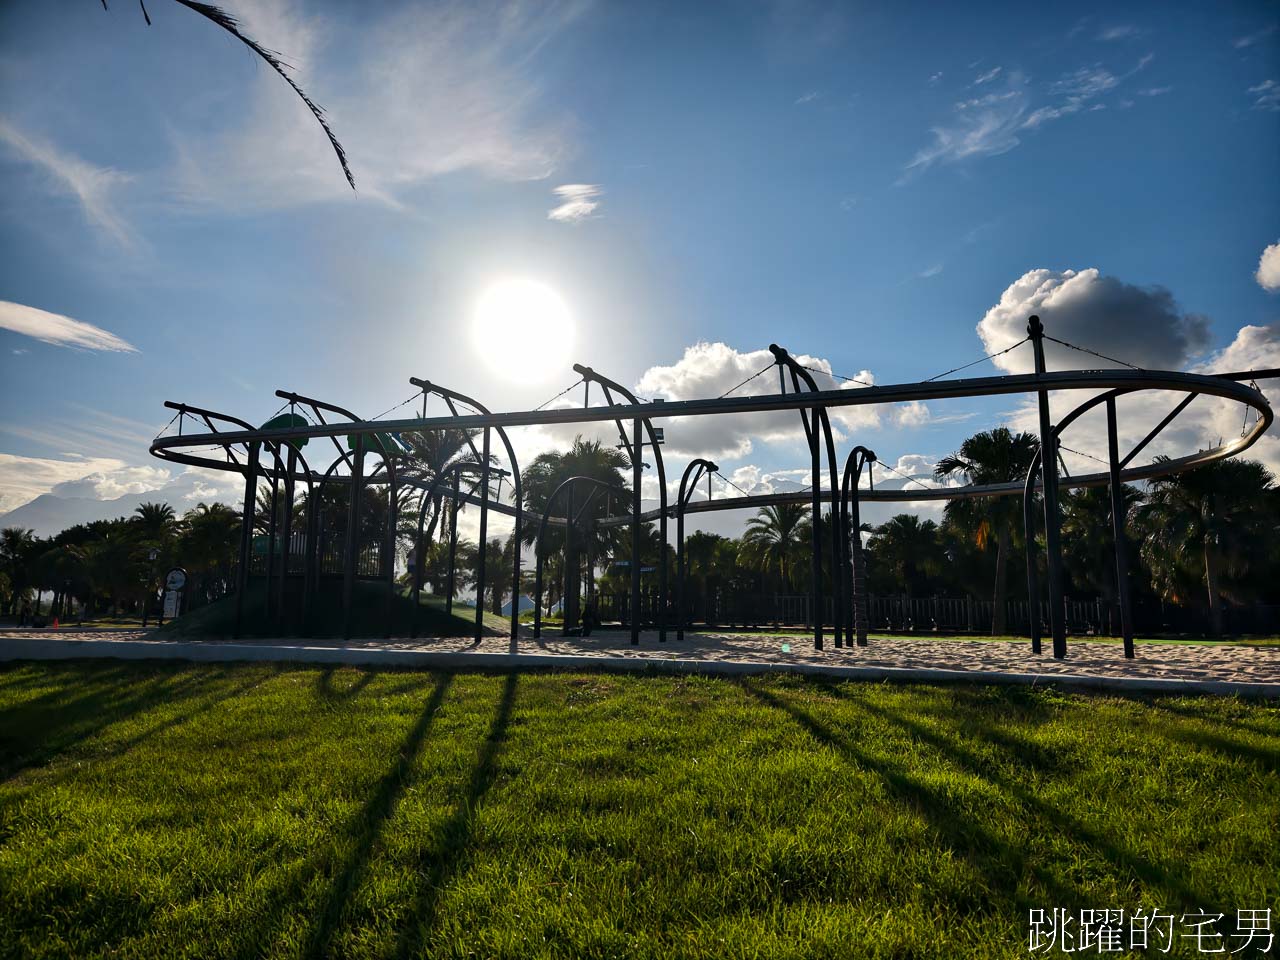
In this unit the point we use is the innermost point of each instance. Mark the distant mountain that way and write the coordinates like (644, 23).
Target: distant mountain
(49, 513)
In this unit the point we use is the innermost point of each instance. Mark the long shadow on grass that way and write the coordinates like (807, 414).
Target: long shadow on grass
(1001, 864)
(38, 731)
(449, 854)
(1051, 816)
(325, 686)
(368, 824)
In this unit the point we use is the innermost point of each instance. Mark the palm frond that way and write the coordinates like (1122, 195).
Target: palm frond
(232, 25)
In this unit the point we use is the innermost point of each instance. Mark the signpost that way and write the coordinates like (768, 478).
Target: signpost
(175, 581)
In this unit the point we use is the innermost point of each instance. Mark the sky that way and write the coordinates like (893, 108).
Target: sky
(887, 190)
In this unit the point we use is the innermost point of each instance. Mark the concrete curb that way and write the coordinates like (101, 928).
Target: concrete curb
(197, 652)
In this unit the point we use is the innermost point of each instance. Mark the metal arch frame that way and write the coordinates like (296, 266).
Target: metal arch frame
(356, 464)
(250, 471)
(450, 396)
(812, 421)
(697, 467)
(567, 484)
(424, 502)
(850, 517)
(635, 449)
(1225, 385)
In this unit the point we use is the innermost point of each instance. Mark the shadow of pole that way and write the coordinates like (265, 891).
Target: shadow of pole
(449, 854)
(369, 822)
(1002, 865)
(1054, 817)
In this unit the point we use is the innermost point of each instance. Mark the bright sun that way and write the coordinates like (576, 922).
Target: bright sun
(523, 330)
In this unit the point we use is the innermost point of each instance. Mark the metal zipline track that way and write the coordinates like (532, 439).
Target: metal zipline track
(1221, 385)
(375, 436)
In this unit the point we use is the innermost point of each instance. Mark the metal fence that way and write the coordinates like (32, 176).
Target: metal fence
(947, 615)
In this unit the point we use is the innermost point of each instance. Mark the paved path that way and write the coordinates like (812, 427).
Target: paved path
(1247, 671)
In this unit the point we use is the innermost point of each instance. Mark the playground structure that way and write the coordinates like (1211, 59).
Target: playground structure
(274, 452)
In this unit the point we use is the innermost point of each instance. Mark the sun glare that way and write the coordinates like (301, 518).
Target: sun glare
(523, 330)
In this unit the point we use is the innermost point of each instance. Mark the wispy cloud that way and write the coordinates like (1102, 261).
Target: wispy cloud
(1244, 42)
(1125, 31)
(420, 92)
(985, 127)
(578, 201)
(988, 76)
(807, 97)
(59, 330)
(1266, 95)
(1155, 91)
(69, 175)
(932, 271)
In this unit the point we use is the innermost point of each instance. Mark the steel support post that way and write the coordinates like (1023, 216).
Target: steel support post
(636, 464)
(286, 534)
(572, 586)
(453, 546)
(351, 553)
(246, 532)
(270, 597)
(1029, 536)
(1052, 517)
(484, 533)
(1117, 530)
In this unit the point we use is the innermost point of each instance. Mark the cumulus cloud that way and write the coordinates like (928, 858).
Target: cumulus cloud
(1207, 422)
(1143, 326)
(1268, 274)
(113, 483)
(713, 369)
(22, 479)
(577, 201)
(59, 330)
(91, 186)
(420, 92)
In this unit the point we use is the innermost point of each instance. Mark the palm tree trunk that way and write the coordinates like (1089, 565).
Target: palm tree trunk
(1211, 581)
(999, 625)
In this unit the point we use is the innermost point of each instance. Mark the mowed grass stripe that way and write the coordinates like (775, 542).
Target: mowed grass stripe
(244, 811)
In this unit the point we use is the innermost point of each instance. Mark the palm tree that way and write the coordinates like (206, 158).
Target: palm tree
(994, 456)
(1088, 544)
(17, 553)
(586, 458)
(776, 541)
(209, 545)
(432, 454)
(155, 521)
(1207, 527)
(909, 548)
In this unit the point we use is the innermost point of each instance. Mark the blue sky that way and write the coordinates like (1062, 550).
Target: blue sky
(861, 183)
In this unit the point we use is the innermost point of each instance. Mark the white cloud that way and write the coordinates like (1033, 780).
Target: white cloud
(577, 201)
(713, 369)
(93, 187)
(22, 479)
(112, 483)
(59, 330)
(1207, 422)
(1143, 326)
(984, 127)
(932, 271)
(809, 97)
(418, 93)
(1266, 95)
(1248, 41)
(1119, 32)
(1268, 275)
(1155, 91)
(988, 76)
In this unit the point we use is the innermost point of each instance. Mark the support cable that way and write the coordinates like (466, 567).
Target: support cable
(560, 394)
(1095, 353)
(398, 405)
(990, 356)
(835, 376)
(904, 476)
(758, 373)
(1081, 453)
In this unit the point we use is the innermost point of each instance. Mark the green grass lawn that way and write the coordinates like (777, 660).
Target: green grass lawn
(152, 810)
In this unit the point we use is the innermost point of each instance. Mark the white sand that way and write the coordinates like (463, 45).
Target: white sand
(1084, 657)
